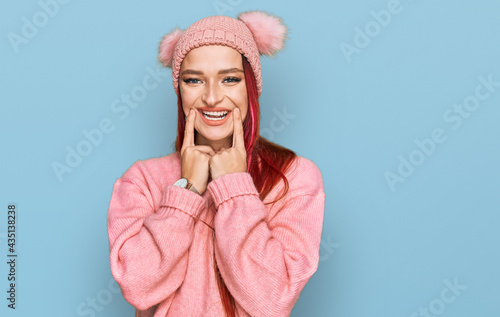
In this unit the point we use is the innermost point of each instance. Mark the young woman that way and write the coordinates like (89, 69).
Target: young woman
(230, 224)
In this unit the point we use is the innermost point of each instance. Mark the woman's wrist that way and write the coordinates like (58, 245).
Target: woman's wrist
(232, 185)
(185, 183)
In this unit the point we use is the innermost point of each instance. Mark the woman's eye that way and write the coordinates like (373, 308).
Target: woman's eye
(191, 81)
(232, 80)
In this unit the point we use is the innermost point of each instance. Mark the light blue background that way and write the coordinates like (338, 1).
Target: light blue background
(384, 252)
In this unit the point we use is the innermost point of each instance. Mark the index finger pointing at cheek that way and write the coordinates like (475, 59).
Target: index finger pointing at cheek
(238, 137)
(189, 130)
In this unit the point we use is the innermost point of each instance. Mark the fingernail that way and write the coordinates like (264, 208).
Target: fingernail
(237, 111)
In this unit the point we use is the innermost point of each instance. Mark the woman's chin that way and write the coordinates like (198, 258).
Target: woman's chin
(215, 136)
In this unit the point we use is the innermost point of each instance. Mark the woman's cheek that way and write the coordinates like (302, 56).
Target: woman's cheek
(186, 105)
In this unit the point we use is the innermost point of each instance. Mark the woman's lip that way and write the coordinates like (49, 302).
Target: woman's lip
(213, 109)
(214, 122)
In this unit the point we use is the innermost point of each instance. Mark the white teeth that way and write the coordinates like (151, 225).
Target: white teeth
(215, 115)
(214, 119)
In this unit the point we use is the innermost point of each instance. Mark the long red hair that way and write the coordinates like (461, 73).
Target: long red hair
(267, 162)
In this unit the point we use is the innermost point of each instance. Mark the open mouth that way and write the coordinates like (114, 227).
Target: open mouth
(214, 115)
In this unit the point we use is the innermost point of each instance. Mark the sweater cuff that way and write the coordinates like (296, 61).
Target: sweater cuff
(231, 185)
(182, 199)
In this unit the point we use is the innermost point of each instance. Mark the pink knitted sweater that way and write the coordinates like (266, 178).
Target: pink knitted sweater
(162, 240)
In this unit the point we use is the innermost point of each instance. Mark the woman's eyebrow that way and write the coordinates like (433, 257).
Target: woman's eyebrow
(230, 70)
(192, 72)
(222, 71)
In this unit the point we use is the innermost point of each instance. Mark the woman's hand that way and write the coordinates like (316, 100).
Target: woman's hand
(195, 158)
(234, 159)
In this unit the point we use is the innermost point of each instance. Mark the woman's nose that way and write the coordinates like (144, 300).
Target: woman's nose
(212, 95)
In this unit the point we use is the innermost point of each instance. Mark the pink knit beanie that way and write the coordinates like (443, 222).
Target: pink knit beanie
(252, 34)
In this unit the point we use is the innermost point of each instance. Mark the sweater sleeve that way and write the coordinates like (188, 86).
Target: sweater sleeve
(266, 263)
(149, 245)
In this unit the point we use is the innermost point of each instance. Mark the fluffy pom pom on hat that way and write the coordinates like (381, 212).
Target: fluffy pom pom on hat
(252, 34)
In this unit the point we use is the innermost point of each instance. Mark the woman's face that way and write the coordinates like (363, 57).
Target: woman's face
(212, 82)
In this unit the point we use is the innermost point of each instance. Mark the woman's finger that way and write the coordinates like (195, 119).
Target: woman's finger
(238, 137)
(189, 130)
(207, 149)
